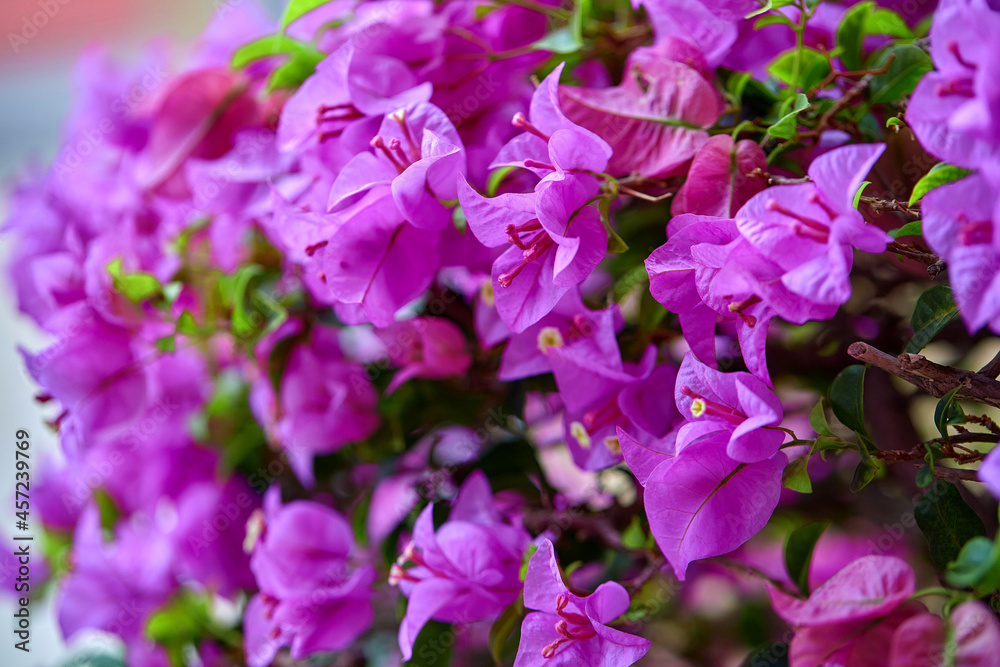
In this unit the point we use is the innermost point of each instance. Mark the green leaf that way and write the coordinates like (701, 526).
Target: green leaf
(432, 647)
(580, 16)
(561, 41)
(940, 174)
(503, 628)
(181, 621)
(774, 19)
(137, 286)
(634, 537)
(865, 472)
(847, 397)
(799, 547)
(905, 71)
(768, 6)
(796, 476)
(925, 476)
(108, 510)
(495, 179)
(948, 413)
(272, 45)
(861, 189)
(166, 344)
(633, 279)
(528, 553)
(786, 126)
(299, 68)
(894, 122)
(887, 22)
(817, 419)
(934, 309)
(737, 83)
(851, 35)
(977, 566)
(914, 228)
(186, 324)
(946, 521)
(298, 8)
(458, 219)
(800, 68)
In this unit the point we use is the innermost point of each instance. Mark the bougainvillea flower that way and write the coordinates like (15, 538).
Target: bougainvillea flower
(565, 628)
(347, 87)
(737, 404)
(418, 153)
(427, 347)
(961, 223)
(313, 595)
(465, 571)
(955, 110)
(809, 229)
(555, 242)
(721, 505)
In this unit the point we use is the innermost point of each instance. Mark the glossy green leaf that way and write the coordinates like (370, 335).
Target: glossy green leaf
(847, 394)
(817, 419)
(940, 174)
(786, 126)
(799, 546)
(298, 8)
(948, 412)
(914, 228)
(977, 566)
(907, 68)
(266, 47)
(934, 309)
(503, 628)
(800, 68)
(136, 286)
(946, 521)
(796, 476)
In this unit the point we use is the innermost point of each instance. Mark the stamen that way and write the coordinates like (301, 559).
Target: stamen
(954, 49)
(400, 117)
(521, 121)
(702, 406)
(311, 250)
(549, 337)
(814, 198)
(809, 228)
(740, 306)
(535, 164)
(579, 433)
(378, 143)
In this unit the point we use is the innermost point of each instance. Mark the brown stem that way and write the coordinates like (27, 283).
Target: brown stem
(882, 205)
(932, 378)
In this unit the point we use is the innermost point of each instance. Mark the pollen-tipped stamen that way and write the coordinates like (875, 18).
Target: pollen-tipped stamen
(701, 406)
(521, 121)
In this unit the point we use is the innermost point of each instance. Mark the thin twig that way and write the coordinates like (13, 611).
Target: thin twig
(992, 369)
(881, 205)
